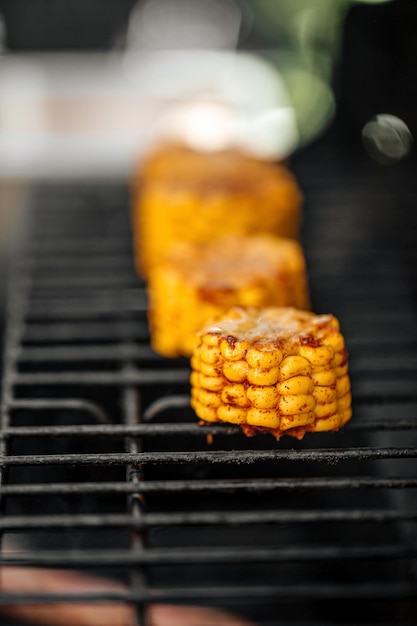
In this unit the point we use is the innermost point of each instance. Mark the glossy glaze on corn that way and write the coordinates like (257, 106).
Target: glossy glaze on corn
(279, 370)
(197, 282)
(183, 195)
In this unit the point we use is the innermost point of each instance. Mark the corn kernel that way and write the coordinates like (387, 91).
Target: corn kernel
(211, 383)
(333, 422)
(235, 371)
(235, 394)
(325, 410)
(321, 355)
(206, 413)
(324, 378)
(339, 358)
(344, 402)
(210, 339)
(210, 354)
(233, 351)
(268, 418)
(343, 385)
(195, 379)
(208, 398)
(324, 395)
(290, 405)
(294, 366)
(263, 397)
(336, 340)
(264, 359)
(258, 376)
(207, 369)
(232, 414)
(296, 385)
(300, 419)
(341, 370)
(345, 415)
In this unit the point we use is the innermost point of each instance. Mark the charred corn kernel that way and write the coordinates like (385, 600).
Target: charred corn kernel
(293, 421)
(232, 414)
(296, 385)
(211, 383)
(264, 359)
(324, 395)
(324, 378)
(197, 282)
(235, 395)
(343, 385)
(235, 371)
(263, 397)
(339, 358)
(184, 195)
(321, 355)
(291, 405)
(327, 409)
(266, 418)
(272, 385)
(210, 354)
(234, 350)
(257, 376)
(294, 366)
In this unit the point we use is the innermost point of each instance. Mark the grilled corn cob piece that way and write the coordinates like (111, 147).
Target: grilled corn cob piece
(188, 196)
(197, 282)
(278, 370)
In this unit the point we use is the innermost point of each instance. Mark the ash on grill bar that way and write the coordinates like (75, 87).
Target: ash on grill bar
(116, 505)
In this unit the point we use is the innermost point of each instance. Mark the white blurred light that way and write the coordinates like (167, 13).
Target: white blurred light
(184, 24)
(23, 90)
(221, 99)
(274, 134)
(205, 126)
(387, 138)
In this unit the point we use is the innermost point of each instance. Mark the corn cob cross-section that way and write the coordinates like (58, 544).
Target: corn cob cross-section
(184, 195)
(279, 370)
(197, 282)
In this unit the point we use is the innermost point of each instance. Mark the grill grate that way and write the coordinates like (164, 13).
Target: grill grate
(104, 469)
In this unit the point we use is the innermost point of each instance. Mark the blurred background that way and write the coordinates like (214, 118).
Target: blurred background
(87, 86)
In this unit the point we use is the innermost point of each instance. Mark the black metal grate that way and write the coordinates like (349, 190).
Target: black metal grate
(105, 470)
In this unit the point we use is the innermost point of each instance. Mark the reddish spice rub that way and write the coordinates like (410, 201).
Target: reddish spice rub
(275, 370)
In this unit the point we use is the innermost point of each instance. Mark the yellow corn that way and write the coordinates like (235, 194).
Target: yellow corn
(181, 195)
(278, 369)
(198, 282)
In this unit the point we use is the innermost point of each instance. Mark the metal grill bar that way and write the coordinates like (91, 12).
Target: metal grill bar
(170, 556)
(314, 591)
(221, 457)
(210, 486)
(144, 489)
(208, 518)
